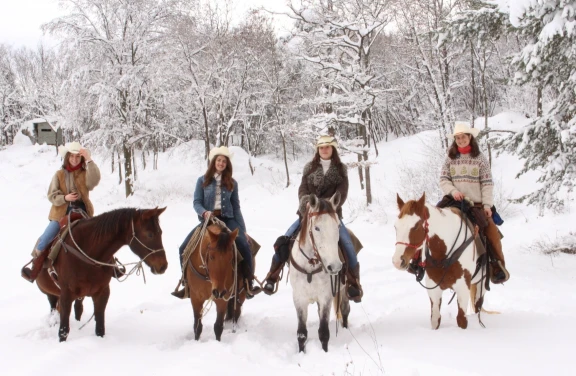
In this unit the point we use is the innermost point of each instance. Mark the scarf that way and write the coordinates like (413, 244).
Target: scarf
(72, 169)
(465, 149)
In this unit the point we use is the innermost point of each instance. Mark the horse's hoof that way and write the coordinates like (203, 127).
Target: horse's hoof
(325, 347)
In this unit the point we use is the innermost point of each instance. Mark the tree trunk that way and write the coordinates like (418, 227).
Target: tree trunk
(119, 167)
(128, 182)
(285, 159)
(134, 170)
(143, 160)
(539, 102)
(206, 140)
(112, 162)
(473, 85)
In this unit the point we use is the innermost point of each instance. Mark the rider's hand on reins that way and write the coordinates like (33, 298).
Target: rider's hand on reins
(71, 197)
(488, 212)
(207, 214)
(458, 196)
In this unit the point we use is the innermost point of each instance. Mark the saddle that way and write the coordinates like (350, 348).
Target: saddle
(54, 247)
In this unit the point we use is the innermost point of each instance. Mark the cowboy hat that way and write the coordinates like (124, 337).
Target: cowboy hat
(222, 150)
(70, 147)
(326, 140)
(463, 127)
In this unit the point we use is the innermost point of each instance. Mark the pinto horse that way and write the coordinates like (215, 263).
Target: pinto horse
(315, 267)
(425, 231)
(212, 274)
(84, 265)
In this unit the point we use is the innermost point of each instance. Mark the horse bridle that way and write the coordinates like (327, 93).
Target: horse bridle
(424, 241)
(316, 259)
(152, 251)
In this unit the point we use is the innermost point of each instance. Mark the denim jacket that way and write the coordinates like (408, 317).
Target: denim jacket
(205, 198)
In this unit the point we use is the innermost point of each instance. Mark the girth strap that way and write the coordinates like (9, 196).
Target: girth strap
(448, 261)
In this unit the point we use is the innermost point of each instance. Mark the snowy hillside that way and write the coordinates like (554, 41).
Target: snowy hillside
(149, 332)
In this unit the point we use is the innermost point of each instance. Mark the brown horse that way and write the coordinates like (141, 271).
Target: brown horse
(84, 265)
(211, 273)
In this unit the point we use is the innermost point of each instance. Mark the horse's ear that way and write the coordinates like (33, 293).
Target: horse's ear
(233, 235)
(313, 200)
(335, 199)
(213, 234)
(422, 200)
(148, 213)
(161, 210)
(399, 201)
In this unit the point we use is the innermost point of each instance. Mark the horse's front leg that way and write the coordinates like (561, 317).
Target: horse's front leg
(53, 300)
(100, 301)
(197, 308)
(65, 303)
(78, 308)
(220, 313)
(324, 315)
(435, 304)
(302, 313)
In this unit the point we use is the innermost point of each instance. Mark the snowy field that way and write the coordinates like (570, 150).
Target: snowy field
(149, 332)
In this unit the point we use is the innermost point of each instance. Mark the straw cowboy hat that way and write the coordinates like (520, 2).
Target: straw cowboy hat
(463, 127)
(326, 140)
(222, 150)
(70, 147)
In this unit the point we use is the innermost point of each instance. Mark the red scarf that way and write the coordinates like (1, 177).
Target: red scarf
(465, 149)
(72, 169)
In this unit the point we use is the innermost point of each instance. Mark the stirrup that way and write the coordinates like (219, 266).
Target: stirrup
(270, 287)
(355, 298)
(180, 294)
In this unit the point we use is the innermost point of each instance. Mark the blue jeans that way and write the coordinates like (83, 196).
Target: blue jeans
(345, 243)
(53, 228)
(48, 235)
(241, 241)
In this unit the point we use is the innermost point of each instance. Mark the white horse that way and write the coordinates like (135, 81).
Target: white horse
(448, 251)
(315, 269)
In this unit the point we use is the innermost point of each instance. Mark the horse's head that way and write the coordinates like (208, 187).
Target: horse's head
(411, 230)
(146, 241)
(220, 260)
(320, 227)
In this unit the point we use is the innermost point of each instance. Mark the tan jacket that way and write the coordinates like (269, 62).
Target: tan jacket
(80, 181)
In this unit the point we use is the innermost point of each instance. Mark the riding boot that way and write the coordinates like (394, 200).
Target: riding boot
(273, 276)
(354, 288)
(248, 277)
(37, 263)
(499, 273)
(180, 294)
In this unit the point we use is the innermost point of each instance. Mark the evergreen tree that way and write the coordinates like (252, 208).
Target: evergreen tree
(548, 144)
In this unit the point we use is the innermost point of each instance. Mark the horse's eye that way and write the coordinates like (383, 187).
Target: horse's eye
(211, 258)
(316, 228)
(150, 235)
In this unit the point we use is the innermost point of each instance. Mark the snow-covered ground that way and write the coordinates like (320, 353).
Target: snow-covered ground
(149, 332)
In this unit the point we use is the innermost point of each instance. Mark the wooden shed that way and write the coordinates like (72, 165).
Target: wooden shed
(48, 133)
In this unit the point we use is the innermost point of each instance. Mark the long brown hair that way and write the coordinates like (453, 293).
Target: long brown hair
(453, 151)
(66, 162)
(227, 180)
(335, 159)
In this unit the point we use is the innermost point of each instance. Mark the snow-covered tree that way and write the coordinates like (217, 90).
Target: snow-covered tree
(548, 144)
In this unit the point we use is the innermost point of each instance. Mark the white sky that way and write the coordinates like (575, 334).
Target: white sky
(20, 20)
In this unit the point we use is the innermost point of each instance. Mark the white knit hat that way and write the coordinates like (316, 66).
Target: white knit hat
(326, 140)
(222, 150)
(463, 127)
(70, 147)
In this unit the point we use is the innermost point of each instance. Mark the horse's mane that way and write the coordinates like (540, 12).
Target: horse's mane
(111, 222)
(223, 240)
(413, 207)
(324, 206)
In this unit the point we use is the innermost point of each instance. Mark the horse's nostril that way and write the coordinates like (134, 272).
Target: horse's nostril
(163, 268)
(402, 263)
(223, 293)
(215, 293)
(330, 268)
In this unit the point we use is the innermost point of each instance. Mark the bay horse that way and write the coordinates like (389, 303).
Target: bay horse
(212, 274)
(315, 267)
(84, 264)
(425, 231)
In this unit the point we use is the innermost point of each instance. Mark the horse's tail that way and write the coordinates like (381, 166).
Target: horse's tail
(473, 292)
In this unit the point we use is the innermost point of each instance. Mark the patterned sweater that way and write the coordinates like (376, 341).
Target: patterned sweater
(470, 176)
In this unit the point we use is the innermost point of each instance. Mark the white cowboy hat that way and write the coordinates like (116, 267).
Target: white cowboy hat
(222, 150)
(326, 140)
(70, 147)
(463, 127)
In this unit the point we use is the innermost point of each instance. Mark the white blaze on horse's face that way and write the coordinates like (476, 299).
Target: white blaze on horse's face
(325, 230)
(403, 226)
